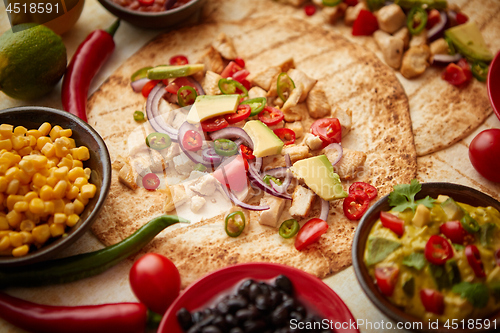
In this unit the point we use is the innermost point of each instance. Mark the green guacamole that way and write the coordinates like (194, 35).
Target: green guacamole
(415, 272)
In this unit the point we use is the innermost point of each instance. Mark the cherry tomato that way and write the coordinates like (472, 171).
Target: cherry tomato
(230, 69)
(150, 181)
(241, 75)
(240, 62)
(242, 113)
(454, 231)
(454, 75)
(386, 279)
(351, 3)
(155, 281)
(484, 154)
(236, 173)
(392, 222)
(148, 87)
(146, 2)
(214, 124)
(370, 190)
(310, 9)
(176, 84)
(246, 84)
(432, 300)
(366, 24)
(178, 60)
(286, 135)
(474, 259)
(355, 205)
(310, 233)
(433, 18)
(328, 129)
(438, 250)
(462, 18)
(192, 141)
(246, 152)
(271, 116)
(462, 63)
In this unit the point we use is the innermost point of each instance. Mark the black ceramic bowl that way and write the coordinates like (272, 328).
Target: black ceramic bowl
(157, 20)
(459, 193)
(32, 117)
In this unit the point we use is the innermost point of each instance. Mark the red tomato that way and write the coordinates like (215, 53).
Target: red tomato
(392, 222)
(240, 62)
(192, 141)
(386, 279)
(432, 300)
(462, 18)
(179, 82)
(484, 154)
(286, 135)
(230, 69)
(310, 233)
(328, 129)
(146, 2)
(178, 60)
(241, 75)
(474, 259)
(462, 63)
(148, 87)
(454, 231)
(365, 25)
(236, 173)
(214, 124)
(242, 113)
(246, 152)
(355, 205)
(433, 18)
(370, 190)
(454, 74)
(150, 181)
(438, 250)
(351, 2)
(155, 281)
(310, 9)
(271, 116)
(246, 84)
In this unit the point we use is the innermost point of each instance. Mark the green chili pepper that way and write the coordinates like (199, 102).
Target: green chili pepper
(138, 116)
(86, 264)
(267, 179)
(451, 47)
(200, 167)
(140, 74)
(234, 226)
(417, 19)
(230, 86)
(428, 4)
(289, 228)
(158, 141)
(225, 147)
(285, 86)
(186, 95)
(256, 104)
(469, 224)
(480, 70)
(331, 3)
(373, 5)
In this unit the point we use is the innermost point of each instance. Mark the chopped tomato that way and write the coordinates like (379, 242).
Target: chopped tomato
(148, 87)
(271, 116)
(246, 152)
(310, 9)
(365, 25)
(438, 250)
(454, 231)
(462, 63)
(392, 222)
(236, 173)
(146, 2)
(462, 18)
(454, 74)
(230, 69)
(351, 2)
(150, 181)
(241, 75)
(240, 62)
(474, 259)
(246, 84)
(386, 279)
(432, 300)
(192, 141)
(433, 18)
(178, 60)
(370, 190)
(214, 124)
(310, 233)
(178, 83)
(242, 113)
(328, 129)
(355, 205)
(286, 135)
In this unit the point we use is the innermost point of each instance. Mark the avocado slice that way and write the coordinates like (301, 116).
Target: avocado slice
(318, 174)
(452, 209)
(378, 248)
(265, 142)
(447, 275)
(168, 72)
(469, 41)
(409, 286)
(207, 106)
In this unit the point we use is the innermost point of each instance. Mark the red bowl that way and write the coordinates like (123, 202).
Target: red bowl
(493, 84)
(310, 290)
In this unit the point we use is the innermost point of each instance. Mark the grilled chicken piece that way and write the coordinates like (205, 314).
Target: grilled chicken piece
(197, 203)
(172, 151)
(302, 201)
(176, 196)
(404, 35)
(296, 127)
(392, 48)
(317, 102)
(296, 152)
(266, 78)
(299, 78)
(211, 83)
(148, 161)
(255, 92)
(271, 216)
(295, 113)
(294, 98)
(349, 164)
(420, 39)
(296, 3)
(212, 61)
(351, 13)
(345, 118)
(183, 165)
(439, 46)
(286, 65)
(224, 45)
(127, 176)
(391, 18)
(312, 141)
(333, 14)
(206, 185)
(415, 61)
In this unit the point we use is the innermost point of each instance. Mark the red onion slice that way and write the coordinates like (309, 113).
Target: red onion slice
(288, 161)
(233, 132)
(192, 156)
(154, 117)
(437, 30)
(209, 155)
(277, 172)
(237, 201)
(137, 85)
(445, 59)
(258, 163)
(325, 208)
(339, 150)
(257, 180)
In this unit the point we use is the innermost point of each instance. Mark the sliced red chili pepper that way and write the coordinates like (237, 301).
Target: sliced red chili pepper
(241, 75)
(392, 222)
(271, 116)
(328, 129)
(351, 3)
(454, 231)
(462, 63)
(246, 152)
(438, 250)
(150, 181)
(370, 190)
(355, 205)
(242, 112)
(386, 279)
(462, 18)
(230, 69)
(176, 84)
(433, 18)
(365, 25)
(454, 75)
(310, 233)
(474, 259)
(178, 60)
(148, 87)
(432, 300)
(310, 9)
(286, 135)
(214, 124)
(192, 141)
(240, 62)
(246, 84)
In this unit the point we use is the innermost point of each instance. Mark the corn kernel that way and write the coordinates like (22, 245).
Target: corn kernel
(72, 143)
(88, 191)
(19, 142)
(77, 164)
(60, 218)
(45, 128)
(16, 239)
(61, 172)
(72, 220)
(88, 172)
(66, 132)
(50, 220)
(80, 181)
(11, 173)
(78, 206)
(52, 162)
(12, 199)
(82, 153)
(52, 181)
(32, 140)
(3, 184)
(57, 229)
(4, 243)
(69, 208)
(23, 177)
(4, 224)
(13, 186)
(14, 218)
(36, 206)
(41, 233)
(75, 173)
(6, 130)
(27, 237)
(61, 145)
(59, 205)
(41, 141)
(35, 133)
(6, 144)
(72, 192)
(25, 151)
(23, 190)
(12, 157)
(65, 161)
(5, 164)
(55, 132)
(49, 150)
(30, 196)
(38, 161)
(83, 200)
(21, 206)
(60, 189)
(46, 192)
(27, 166)
(48, 207)
(26, 225)
(20, 130)
(20, 251)
(39, 180)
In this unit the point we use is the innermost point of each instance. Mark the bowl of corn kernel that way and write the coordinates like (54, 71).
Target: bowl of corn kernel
(55, 174)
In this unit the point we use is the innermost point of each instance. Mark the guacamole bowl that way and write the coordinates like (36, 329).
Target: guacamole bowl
(459, 193)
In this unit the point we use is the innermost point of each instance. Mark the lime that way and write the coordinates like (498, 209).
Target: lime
(32, 61)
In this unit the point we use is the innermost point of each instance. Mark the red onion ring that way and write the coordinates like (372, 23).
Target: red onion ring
(339, 150)
(325, 208)
(192, 156)
(445, 59)
(233, 132)
(209, 155)
(280, 172)
(258, 163)
(437, 30)
(237, 201)
(137, 85)
(196, 85)
(257, 180)
(154, 117)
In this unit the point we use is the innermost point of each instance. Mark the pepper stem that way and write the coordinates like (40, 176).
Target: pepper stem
(154, 319)
(112, 29)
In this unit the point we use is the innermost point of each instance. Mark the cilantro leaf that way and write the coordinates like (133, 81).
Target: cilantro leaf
(476, 293)
(403, 196)
(427, 202)
(416, 260)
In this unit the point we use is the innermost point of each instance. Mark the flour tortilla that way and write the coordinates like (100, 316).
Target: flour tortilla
(354, 78)
(441, 114)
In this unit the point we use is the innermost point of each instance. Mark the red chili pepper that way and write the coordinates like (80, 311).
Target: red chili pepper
(88, 59)
(365, 25)
(370, 190)
(246, 152)
(438, 250)
(432, 300)
(355, 205)
(32, 317)
(474, 259)
(462, 18)
(240, 62)
(310, 9)
(286, 135)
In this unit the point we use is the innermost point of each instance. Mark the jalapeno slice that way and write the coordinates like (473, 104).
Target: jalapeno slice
(285, 86)
(256, 104)
(469, 224)
(186, 95)
(138, 116)
(230, 86)
(267, 179)
(289, 228)
(417, 20)
(225, 147)
(158, 141)
(234, 225)
(200, 167)
(140, 74)
(331, 3)
(480, 70)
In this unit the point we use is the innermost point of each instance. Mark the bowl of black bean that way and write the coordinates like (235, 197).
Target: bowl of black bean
(257, 298)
